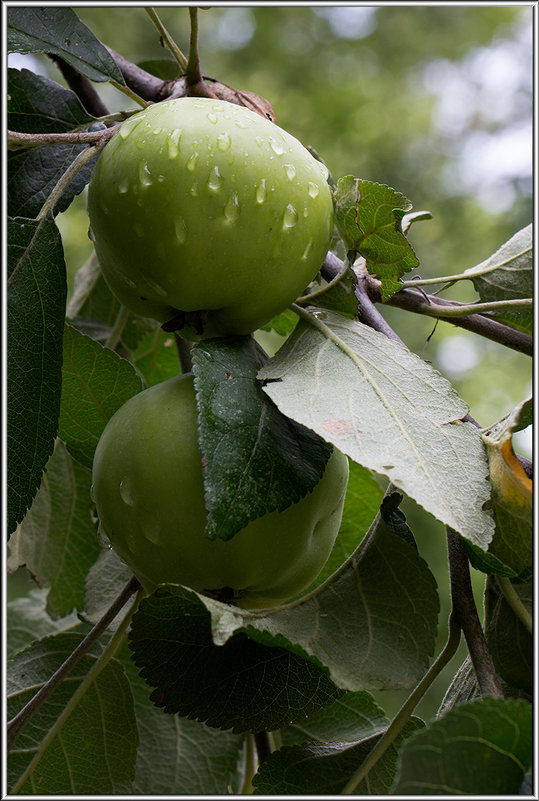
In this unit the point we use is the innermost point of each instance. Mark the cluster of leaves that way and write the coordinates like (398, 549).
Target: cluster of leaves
(174, 709)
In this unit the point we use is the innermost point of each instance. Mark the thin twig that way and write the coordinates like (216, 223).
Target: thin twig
(193, 76)
(143, 83)
(167, 39)
(76, 165)
(82, 86)
(465, 612)
(17, 724)
(118, 328)
(184, 349)
(404, 713)
(19, 139)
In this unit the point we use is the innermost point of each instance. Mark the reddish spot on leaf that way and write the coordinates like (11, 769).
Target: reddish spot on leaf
(336, 426)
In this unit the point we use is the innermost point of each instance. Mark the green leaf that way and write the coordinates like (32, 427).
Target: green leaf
(28, 620)
(178, 756)
(156, 357)
(165, 68)
(341, 297)
(241, 685)
(388, 410)
(57, 540)
(509, 642)
(59, 31)
(93, 309)
(105, 580)
(39, 105)
(508, 275)
(256, 459)
(95, 383)
(35, 315)
(88, 747)
(369, 217)
(33, 174)
(480, 748)
(283, 324)
(355, 716)
(325, 768)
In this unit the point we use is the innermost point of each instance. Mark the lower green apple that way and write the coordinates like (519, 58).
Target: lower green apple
(149, 493)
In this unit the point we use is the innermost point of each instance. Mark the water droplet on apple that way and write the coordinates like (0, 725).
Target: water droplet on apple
(243, 124)
(261, 191)
(212, 117)
(214, 181)
(173, 140)
(290, 217)
(180, 230)
(305, 211)
(223, 141)
(313, 190)
(151, 531)
(126, 493)
(192, 161)
(307, 250)
(290, 171)
(139, 230)
(259, 141)
(194, 190)
(157, 130)
(144, 174)
(277, 147)
(104, 541)
(128, 126)
(232, 209)
(123, 186)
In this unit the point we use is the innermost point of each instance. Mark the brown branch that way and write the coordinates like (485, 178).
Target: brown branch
(143, 83)
(82, 86)
(465, 613)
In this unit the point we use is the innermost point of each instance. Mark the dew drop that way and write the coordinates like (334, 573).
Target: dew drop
(139, 230)
(277, 147)
(232, 209)
(91, 235)
(307, 250)
(313, 190)
(215, 180)
(151, 531)
(261, 191)
(212, 117)
(243, 124)
(128, 126)
(223, 141)
(123, 186)
(192, 161)
(259, 141)
(103, 539)
(180, 229)
(126, 493)
(290, 217)
(173, 140)
(194, 190)
(305, 211)
(144, 174)
(290, 171)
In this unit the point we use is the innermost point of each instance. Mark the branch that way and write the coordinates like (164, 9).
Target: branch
(465, 613)
(17, 724)
(82, 86)
(18, 139)
(143, 83)
(195, 81)
(167, 39)
(412, 301)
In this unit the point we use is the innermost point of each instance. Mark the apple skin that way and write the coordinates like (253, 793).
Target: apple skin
(149, 493)
(204, 209)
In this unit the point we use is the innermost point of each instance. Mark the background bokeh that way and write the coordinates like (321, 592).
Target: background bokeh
(435, 101)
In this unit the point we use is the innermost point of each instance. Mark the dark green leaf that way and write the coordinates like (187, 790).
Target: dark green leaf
(35, 315)
(165, 68)
(95, 383)
(341, 297)
(28, 620)
(325, 768)
(57, 540)
(86, 748)
(39, 105)
(241, 685)
(178, 756)
(156, 357)
(510, 643)
(33, 174)
(480, 748)
(58, 30)
(369, 217)
(256, 459)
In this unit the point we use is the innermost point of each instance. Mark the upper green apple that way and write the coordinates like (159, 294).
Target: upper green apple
(148, 488)
(205, 207)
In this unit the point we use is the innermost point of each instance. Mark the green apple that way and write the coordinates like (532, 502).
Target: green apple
(149, 494)
(205, 213)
